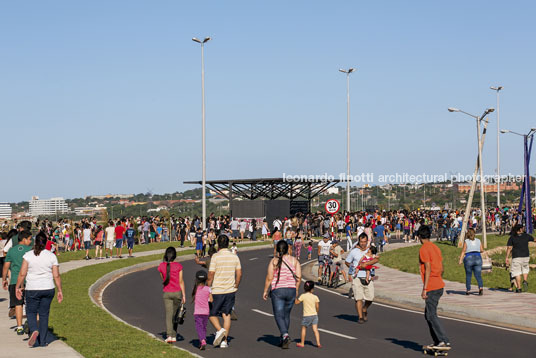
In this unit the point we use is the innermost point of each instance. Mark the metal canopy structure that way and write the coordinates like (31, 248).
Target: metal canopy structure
(268, 188)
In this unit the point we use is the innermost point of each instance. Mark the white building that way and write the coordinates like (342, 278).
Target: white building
(48, 206)
(5, 211)
(333, 190)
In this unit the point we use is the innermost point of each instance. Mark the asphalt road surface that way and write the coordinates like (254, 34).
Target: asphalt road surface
(390, 332)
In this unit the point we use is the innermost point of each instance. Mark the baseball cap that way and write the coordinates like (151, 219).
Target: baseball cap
(326, 235)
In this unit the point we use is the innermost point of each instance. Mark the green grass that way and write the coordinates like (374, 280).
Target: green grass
(407, 260)
(93, 332)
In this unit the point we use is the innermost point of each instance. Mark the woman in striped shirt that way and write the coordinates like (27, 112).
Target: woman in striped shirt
(283, 280)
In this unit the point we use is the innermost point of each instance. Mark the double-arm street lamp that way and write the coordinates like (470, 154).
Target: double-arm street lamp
(480, 140)
(497, 89)
(204, 192)
(525, 190)
(347, 72)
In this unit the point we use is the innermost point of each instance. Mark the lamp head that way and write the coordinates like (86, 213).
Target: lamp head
(351, 70)
(196, 40)
(533, 129)
(504, 131)
(490, 110)
(206, 39)
(453, 109)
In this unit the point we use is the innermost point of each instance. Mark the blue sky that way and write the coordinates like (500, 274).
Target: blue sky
(104, 97)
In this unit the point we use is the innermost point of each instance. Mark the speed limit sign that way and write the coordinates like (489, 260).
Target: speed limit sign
(332, 206)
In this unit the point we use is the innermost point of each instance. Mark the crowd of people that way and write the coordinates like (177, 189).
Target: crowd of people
(30, 269)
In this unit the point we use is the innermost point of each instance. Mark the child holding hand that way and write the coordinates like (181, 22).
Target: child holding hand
(202, 297)
(311, 305)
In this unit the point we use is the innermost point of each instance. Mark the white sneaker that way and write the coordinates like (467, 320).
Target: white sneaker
(219, 336)
(224, 344)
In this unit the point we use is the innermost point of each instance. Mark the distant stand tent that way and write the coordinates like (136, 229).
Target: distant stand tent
(268, 197)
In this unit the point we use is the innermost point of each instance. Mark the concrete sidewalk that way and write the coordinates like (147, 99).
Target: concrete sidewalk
(14, 346)
(503, 308)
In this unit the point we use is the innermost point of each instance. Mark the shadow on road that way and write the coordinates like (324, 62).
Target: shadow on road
(164, 336)
(270, 339)
(347, 317)
(500, 289)
(406, 344)
(455, 292)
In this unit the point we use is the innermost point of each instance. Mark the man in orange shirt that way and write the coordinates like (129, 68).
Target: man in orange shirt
(431, 264)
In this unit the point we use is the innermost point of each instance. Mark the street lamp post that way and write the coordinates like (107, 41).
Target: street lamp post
(347, 72)
(480, 141)
(525, 190)
(497, 89)
(204, 189)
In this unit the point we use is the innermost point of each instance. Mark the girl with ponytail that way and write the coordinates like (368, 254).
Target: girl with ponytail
(173, 282)
(282, 281)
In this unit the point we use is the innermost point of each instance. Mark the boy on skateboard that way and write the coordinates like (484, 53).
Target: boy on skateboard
(431, 273)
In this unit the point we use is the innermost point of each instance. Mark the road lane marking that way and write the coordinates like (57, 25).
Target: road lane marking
(263, 313)
(320, 329)
(422, 313)
(335, 333)
(255, 258)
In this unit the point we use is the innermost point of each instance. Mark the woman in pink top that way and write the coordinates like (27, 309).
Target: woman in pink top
(171, 273)
(283, 277)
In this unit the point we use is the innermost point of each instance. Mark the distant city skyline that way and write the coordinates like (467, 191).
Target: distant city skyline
(102, 97)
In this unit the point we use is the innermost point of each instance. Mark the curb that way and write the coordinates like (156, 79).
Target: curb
(525, 323)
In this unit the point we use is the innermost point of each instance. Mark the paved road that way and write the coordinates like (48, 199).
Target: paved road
(136, 298)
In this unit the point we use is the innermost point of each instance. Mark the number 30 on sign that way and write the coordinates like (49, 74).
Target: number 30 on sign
(332, 206)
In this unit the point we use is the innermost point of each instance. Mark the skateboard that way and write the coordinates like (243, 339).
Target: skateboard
(435, 351)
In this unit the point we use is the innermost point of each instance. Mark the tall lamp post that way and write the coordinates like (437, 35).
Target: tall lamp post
(204, 179)
(480, 141)
(347, 72)
(497, 89)
(525, 190)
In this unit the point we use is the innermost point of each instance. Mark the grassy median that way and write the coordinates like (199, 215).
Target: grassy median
(407, 260)
(92, 331)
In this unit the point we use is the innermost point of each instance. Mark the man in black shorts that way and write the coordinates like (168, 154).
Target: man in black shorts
(224, 274)
(13, 264)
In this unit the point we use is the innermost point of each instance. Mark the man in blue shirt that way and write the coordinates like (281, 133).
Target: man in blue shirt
(349, 243)
(129, 234)
(379, 236)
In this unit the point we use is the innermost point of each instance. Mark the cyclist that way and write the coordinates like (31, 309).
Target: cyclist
(336, 252)
(324, 248)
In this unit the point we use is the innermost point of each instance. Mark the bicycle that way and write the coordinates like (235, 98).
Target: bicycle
(326, 273)
(336, 279)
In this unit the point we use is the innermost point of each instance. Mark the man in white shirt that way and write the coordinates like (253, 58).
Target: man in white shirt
(87, 239)
(110, 238)
(324, 252)
(277, 224)
(234, 228)
(243, 225)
